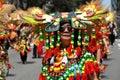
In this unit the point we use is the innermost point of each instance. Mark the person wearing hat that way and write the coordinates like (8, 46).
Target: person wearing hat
(23, 47)
(66, 55)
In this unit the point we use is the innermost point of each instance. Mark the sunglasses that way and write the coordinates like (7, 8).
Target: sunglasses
(62, 28)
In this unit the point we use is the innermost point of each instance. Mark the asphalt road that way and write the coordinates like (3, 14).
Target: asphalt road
(113, 63)
(28, 71)
(31, 70)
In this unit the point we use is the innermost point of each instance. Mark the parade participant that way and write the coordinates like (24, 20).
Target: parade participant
(4, 58)
(112, 26)
(24, 48)
(66, 58)
(34, 47)
(38, 44)
(7, 44)
(105, 40)
(3, 67)
(70, 42)
(23, 53)
(32, 38)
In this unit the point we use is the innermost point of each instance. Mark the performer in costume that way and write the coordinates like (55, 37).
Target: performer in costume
(71, 56)
(23, 46)
(4, 34)
(71, 40)
(4, 58)
(113, 27)
(23, 53)
(67, 58)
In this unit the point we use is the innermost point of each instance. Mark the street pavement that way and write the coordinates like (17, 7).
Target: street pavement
(28, 71)
(31, 70)
(113, 63)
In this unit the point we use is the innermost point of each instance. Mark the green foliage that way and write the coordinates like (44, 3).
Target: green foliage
(65, 5)
(53, 5)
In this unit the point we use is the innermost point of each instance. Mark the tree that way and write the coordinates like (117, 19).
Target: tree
(64, 5)
(25, 4)
(49, 5)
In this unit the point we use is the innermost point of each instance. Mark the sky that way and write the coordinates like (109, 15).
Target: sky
(106, 3)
